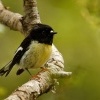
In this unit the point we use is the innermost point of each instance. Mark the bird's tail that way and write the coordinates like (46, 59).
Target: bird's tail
(6, 69)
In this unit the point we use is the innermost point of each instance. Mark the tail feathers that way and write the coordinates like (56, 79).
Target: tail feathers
(6, 69)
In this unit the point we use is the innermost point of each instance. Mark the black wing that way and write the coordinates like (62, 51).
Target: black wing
(18, 55)
(21, 50)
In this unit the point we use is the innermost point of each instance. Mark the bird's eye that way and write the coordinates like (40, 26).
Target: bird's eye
(43, 32)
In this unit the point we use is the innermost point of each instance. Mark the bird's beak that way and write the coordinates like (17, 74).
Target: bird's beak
(53, 32)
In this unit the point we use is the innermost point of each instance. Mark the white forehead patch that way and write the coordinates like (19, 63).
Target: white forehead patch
(51, 31)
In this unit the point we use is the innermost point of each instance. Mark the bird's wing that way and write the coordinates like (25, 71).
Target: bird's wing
(18, 55)
(21, 50)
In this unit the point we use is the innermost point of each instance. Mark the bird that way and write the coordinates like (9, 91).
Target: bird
(34, 51)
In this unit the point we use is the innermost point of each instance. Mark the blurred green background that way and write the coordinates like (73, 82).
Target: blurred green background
(78, 39)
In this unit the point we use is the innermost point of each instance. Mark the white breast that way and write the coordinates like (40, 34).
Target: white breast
(36, 56)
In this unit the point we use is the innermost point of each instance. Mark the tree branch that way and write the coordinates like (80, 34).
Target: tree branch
(44, 80)
(31, 15)
(10, 19)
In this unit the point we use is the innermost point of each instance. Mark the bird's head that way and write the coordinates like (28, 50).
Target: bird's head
(42, 33)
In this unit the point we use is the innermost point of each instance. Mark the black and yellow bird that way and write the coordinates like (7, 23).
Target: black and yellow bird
(34, 51)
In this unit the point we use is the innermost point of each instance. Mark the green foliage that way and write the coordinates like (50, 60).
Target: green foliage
(77, 40)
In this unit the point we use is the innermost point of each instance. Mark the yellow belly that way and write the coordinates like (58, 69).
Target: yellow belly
(36, 56)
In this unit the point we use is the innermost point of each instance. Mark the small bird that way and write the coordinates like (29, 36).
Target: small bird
(34, 51)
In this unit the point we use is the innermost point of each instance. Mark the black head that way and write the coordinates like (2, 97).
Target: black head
(42, 33)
